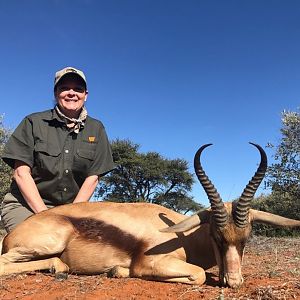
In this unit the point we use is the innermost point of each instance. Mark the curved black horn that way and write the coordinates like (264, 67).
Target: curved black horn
(242, 209)
(219, 211)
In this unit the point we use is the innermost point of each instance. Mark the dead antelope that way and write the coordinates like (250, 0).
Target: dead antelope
(131, 240)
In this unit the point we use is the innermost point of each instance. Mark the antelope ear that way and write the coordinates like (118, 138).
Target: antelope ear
(258, 216)
(191, 222)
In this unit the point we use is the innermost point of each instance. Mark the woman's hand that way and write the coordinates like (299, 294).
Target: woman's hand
(87, 189)
(27, 186)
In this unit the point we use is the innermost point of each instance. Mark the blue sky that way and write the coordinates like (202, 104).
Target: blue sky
(169, 75)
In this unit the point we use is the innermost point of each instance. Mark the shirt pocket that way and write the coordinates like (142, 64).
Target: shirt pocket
(47, 158)
(83, 161)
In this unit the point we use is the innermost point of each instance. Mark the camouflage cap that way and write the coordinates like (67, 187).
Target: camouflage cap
(68, 70)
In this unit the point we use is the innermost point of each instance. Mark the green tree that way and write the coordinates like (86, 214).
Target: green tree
(5, 170)
(280, 204)
(283, 176)
(147, 177)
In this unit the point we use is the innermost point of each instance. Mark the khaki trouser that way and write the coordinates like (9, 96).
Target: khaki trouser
(13, 212)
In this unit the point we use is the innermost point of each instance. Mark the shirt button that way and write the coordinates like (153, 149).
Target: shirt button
(65, 189)
(67, 151)
(66, 171)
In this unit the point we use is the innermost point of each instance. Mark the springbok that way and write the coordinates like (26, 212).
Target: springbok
(131, 239)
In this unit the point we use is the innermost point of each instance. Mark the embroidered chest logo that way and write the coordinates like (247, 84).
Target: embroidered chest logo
(92, 139)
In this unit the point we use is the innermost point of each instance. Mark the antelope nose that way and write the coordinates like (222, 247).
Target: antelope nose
(234, 280)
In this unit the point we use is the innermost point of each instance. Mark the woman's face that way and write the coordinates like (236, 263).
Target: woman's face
(70, 95)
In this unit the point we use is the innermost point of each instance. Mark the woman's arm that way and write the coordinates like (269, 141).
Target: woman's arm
(27, 186)
(87, 189)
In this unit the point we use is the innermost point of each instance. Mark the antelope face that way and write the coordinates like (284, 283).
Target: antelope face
(230, 223)
(229, 244)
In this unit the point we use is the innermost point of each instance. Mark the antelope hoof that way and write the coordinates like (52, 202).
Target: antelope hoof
(118, 272)
(112, 273)
(60, 276)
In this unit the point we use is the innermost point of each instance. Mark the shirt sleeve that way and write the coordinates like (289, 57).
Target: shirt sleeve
(103, 162)
(20, 145)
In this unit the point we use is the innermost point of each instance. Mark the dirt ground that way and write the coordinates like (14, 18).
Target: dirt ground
(271, 271)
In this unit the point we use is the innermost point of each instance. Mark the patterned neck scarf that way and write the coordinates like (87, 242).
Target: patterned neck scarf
(72, 123)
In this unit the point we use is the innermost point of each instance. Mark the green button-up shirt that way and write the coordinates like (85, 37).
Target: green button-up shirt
(60, 160)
